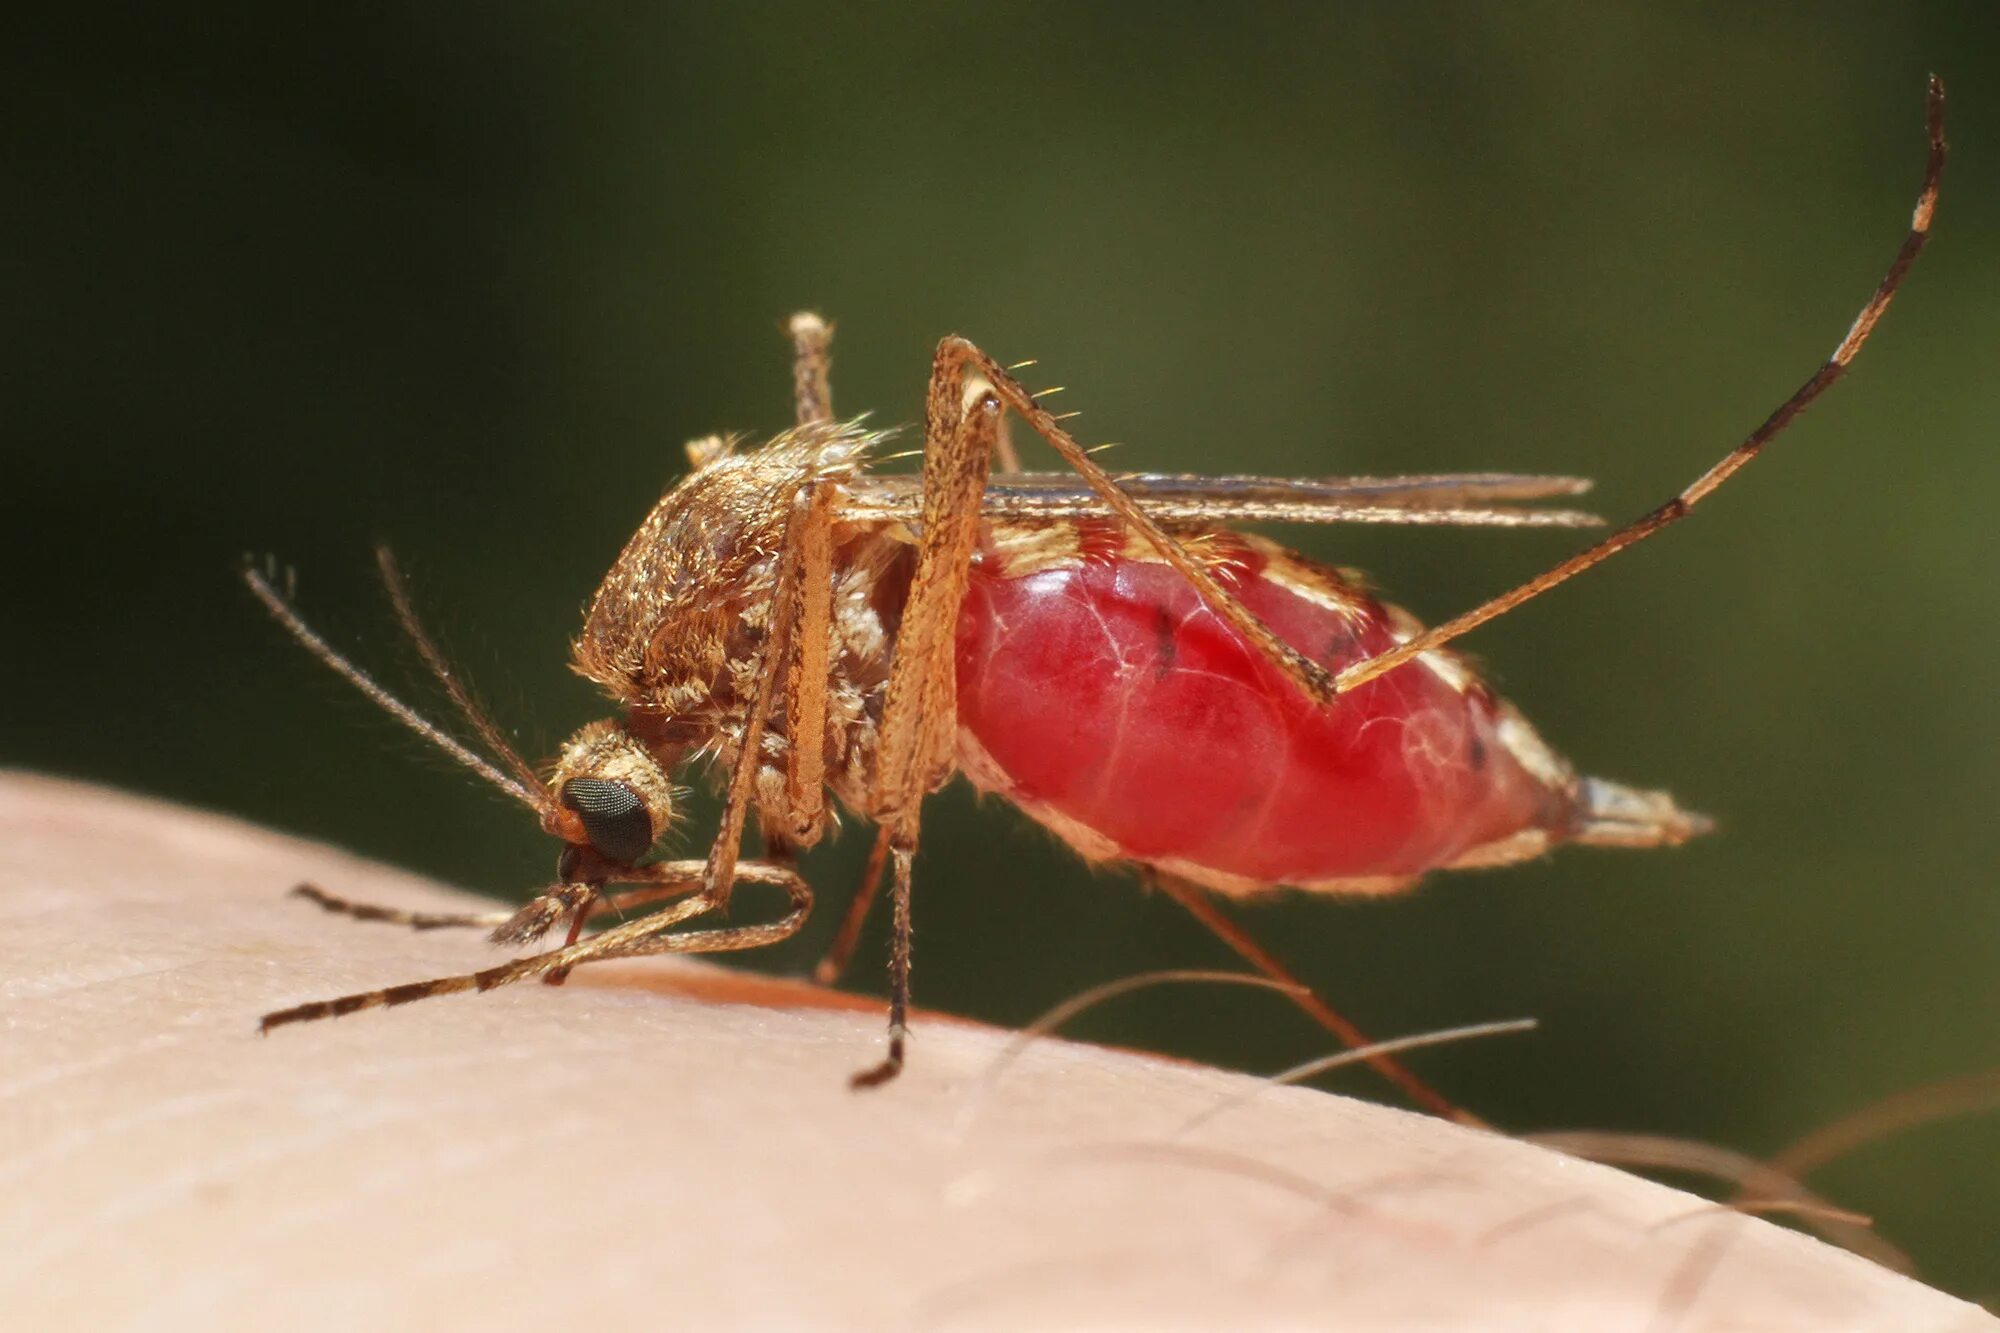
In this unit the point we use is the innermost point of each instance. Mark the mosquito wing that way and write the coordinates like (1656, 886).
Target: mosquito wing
(1456, 499)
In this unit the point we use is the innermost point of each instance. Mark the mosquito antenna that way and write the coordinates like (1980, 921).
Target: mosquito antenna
(461, 693)
(533, 796)
(1677, 508)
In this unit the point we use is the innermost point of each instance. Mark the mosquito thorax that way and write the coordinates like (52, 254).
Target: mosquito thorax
(675, 624)
(611, 794)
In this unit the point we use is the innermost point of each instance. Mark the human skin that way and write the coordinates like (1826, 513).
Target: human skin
(664, 1144)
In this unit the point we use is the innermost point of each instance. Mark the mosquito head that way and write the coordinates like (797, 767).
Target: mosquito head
(612, 798)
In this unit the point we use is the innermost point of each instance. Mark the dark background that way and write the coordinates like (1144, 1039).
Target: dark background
(466, 277)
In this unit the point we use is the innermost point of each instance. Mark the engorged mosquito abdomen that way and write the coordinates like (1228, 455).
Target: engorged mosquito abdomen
(1098, 692)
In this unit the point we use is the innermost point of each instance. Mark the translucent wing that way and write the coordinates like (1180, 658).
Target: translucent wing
(1458, 499)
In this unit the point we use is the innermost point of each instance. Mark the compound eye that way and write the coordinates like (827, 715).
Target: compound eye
(613, 815)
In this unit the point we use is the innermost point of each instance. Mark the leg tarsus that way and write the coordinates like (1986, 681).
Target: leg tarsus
(876, 1075)
(899, 976)
(840, 952)
(313, 893)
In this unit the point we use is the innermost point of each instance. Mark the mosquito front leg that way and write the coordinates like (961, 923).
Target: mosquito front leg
(520, 969)
(634, 939)
(397, 916)
(652, 934)
(808, 509)
(521, 926)
(539, 915)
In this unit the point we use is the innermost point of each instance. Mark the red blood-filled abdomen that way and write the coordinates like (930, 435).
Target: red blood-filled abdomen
(1109, 697)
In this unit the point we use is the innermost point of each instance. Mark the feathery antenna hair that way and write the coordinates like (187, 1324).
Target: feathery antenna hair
(455, 685)
(523, 785)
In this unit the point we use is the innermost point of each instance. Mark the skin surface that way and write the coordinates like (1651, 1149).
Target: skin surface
(666, 1144)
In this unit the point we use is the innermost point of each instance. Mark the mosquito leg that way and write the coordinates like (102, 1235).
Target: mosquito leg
(397, 916)
(899, 978)
(639, 939)
(525, 924)
(750, 762)
(538, 915)
(520, 969)
(1677, 508)
(959, 361)
(811, 601)
(651, 934)
(839, 953)
(678, 880)
(812, 392)
(1006, 458)
(919, 712)
(800, 617)
(579, 913)
(807, 668)
(1244, 946)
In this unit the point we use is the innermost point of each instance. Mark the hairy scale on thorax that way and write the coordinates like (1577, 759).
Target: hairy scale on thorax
(677, 629)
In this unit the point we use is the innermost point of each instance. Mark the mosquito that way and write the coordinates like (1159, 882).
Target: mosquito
(1102, 650)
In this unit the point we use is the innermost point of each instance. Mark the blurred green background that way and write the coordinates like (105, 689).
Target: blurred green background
(466, 277)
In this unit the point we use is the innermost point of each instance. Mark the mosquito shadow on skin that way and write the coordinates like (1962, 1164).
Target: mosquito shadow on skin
(716, 985)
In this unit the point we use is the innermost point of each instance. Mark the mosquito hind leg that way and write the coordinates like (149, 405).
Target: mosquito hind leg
(520, 969)
(958, 362)
(579, 912)
(1676, 509)
(1240, 942)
